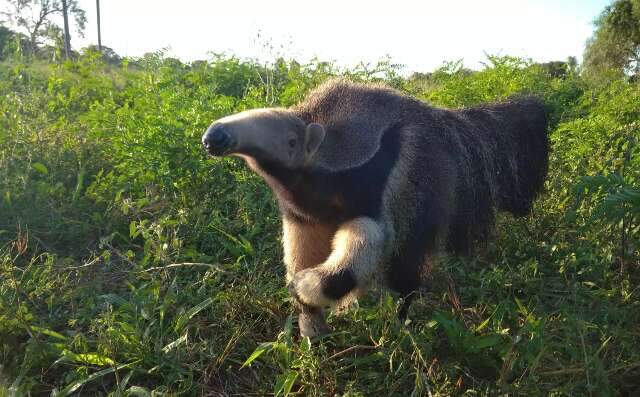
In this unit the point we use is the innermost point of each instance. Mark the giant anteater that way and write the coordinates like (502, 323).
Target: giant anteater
(371, 181)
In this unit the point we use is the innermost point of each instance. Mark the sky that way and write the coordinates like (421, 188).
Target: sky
(418, 34)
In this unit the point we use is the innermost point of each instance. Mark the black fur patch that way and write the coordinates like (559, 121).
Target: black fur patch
(335, 197)
(337, 285)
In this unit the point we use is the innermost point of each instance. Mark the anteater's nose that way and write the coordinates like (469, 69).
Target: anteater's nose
(216, 140)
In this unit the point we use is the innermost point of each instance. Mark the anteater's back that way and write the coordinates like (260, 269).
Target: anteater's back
(500, 151)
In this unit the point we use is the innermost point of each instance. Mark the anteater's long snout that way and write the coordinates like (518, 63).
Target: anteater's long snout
(217, 140)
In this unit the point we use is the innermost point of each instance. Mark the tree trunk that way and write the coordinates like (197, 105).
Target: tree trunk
(67, 36)
(99, 36)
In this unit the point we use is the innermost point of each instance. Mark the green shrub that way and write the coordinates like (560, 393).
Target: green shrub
(133, 264)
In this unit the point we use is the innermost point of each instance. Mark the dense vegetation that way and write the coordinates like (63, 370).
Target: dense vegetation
(132, 264)
(614, 48)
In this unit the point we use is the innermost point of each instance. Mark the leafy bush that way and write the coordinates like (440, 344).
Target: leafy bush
(133, 264)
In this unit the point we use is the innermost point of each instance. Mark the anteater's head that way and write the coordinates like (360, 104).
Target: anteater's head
(274, 135)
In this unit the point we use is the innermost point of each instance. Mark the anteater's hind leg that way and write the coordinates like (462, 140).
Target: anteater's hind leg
(407, 275)
(406, 284)
(403, 312)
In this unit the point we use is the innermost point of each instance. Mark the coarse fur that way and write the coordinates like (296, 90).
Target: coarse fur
(371, 180)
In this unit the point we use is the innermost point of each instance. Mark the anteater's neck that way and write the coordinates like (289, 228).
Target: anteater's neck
(332, 196)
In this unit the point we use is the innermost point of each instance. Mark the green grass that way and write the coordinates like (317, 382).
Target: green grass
(132, 264)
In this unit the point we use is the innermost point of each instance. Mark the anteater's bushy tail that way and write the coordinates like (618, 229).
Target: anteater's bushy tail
(525, 160)
(503, 150)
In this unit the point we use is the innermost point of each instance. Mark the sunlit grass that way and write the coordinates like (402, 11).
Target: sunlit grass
(131, 264)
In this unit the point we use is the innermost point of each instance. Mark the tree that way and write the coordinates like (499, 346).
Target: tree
(67, 35)
(36, 19)
(99, 33)
(107, 54)
(6, 36)
(615, 45)
(555, 69)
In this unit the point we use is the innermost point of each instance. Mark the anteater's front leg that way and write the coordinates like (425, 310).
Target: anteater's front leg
(306, 244)
(358, 246)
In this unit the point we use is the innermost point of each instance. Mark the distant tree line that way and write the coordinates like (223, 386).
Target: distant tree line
(14, 43)
(30, 29)
(35, 24)
(614, 47)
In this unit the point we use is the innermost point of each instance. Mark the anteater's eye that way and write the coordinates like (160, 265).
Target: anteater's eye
(292, 142)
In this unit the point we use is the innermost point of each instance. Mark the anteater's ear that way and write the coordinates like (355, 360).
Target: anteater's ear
(314, 135)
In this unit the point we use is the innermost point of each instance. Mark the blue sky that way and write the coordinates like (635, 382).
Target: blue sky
(418, 34)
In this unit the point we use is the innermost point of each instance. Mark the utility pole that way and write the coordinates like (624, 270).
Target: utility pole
(99, 36)
(67, 39)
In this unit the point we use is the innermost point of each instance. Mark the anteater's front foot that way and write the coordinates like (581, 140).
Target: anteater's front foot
(307, 288)
(311, 319)
(312, 323)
